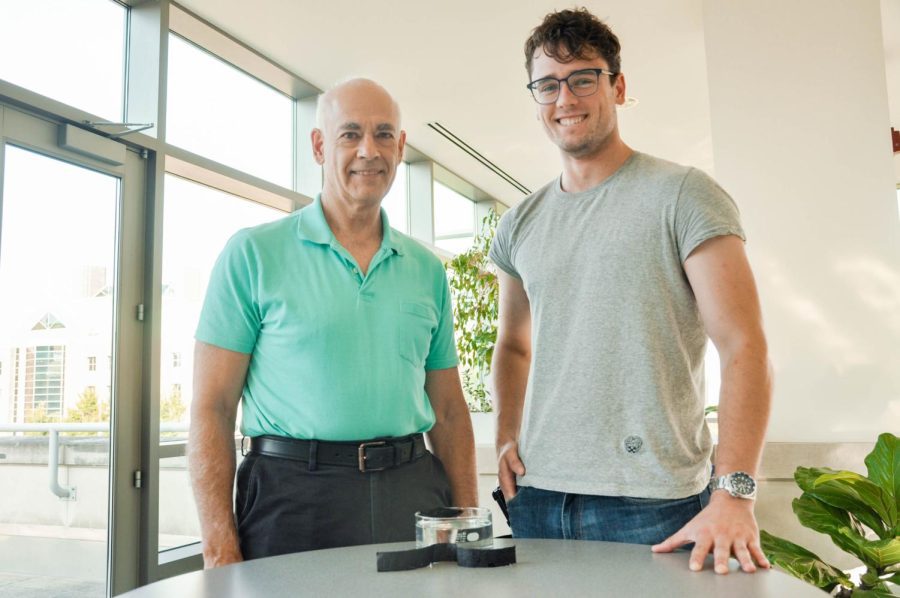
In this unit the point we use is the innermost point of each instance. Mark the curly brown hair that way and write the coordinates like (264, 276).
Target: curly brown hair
(570, 35)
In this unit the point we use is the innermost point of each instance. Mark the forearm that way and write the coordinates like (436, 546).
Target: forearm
(510, 378)
(453, 443)
(744, 405)
(212, 468)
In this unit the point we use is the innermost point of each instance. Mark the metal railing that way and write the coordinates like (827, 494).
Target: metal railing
(53, 430)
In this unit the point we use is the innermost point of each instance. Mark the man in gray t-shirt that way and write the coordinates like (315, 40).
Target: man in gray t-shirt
(611, 278)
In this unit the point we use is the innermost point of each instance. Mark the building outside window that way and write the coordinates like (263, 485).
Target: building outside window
(41, 395)
(92, 363)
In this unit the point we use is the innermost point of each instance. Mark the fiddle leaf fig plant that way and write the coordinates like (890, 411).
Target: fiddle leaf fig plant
(475, 292)
(861, 515)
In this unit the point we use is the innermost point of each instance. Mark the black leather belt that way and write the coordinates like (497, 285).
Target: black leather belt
(369, 455)
(404, 560)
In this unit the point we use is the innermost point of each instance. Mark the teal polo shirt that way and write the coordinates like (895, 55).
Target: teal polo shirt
(335, 355)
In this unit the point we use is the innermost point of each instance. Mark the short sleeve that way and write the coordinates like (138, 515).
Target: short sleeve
(442, 352)
(230, 316)
(703, 211)
(501, 247)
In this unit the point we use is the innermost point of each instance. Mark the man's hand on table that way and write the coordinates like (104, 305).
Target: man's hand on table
(725, 527)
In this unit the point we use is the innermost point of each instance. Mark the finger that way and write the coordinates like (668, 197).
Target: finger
(507, 480)
(721, 552)
(743, 556)
(758, 555)
(515, 463)
(698, 554)
(677, 539)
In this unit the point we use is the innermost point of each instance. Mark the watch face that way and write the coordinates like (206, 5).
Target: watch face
(742, 484)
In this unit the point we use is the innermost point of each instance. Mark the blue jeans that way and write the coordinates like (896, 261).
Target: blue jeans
(536, 513)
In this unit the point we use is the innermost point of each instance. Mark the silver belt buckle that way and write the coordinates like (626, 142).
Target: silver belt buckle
(362, 455)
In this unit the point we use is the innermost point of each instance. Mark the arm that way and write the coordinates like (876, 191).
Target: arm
(218, 384)
(723, 284)
(451, 437)
(511, 363)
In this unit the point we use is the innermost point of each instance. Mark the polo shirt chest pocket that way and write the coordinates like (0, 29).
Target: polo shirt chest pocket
(417, 325)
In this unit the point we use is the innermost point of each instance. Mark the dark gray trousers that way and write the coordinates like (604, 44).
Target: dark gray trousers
(283, 506)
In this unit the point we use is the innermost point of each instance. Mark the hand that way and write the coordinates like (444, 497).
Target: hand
(725, 527)
(220, 557)
(508, 465)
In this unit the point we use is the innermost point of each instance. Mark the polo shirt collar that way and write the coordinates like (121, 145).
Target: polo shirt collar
(313, 227)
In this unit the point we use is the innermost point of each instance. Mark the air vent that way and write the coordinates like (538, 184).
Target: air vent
(447, 134)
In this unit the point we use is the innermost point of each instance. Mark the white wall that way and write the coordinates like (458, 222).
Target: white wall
(799, 123)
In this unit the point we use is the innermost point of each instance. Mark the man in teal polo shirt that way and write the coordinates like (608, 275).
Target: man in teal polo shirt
(337, 332)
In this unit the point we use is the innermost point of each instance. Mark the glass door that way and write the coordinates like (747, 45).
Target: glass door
(69, 367)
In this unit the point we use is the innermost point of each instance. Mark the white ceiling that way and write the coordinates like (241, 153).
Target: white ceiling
(461, 63)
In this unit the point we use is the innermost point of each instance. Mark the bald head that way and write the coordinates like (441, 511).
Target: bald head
(353, 90)
(358, 143)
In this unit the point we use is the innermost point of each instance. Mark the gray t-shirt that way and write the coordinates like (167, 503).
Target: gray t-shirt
(614, 403)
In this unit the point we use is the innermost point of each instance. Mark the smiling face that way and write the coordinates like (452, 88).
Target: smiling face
(359, 143)
(580, 126)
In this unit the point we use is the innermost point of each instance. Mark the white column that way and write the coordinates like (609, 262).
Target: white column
(421, 200)
(800, 131)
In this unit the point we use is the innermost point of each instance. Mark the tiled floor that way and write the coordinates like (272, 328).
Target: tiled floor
(14, 585)
(35, 567)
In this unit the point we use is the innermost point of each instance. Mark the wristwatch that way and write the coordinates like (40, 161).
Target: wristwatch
(738, 484)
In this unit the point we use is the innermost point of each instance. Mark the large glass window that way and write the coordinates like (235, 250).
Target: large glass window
(396, 202)
(222, 113)
(454, 219)
(58, 231)
(198, 221)
(70, 50)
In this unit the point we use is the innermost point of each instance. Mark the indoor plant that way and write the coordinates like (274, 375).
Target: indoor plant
(859, 513)
(475, 293)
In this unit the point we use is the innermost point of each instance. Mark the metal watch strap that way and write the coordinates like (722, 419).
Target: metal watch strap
(726, 482)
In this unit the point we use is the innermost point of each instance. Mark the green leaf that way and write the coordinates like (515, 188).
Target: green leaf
(881, 553)
(880, 591)
(852, 492)
(883, 466)
(474, 290)
(821, 517)
(802, 563)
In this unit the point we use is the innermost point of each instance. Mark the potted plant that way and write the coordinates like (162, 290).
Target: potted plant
(475, 292)
(861, 514)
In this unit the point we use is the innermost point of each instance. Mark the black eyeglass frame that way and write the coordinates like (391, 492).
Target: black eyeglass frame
(533, 84)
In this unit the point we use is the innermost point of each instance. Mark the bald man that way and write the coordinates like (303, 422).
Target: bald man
(336, 330)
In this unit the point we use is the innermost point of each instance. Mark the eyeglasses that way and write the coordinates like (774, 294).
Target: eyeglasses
(581, 83)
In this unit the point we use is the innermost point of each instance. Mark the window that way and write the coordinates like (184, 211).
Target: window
(396, 202)
(43, 391)
(44, 47)
(222, 113)
(92, 363)
(189, 252)
(454, 219)
(48, 322)
(44, 259)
